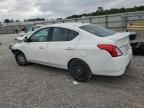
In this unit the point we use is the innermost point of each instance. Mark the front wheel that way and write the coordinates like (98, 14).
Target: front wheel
(21, 59)
(80, 70)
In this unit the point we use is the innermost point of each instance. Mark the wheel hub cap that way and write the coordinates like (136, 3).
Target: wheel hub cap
(79, 70)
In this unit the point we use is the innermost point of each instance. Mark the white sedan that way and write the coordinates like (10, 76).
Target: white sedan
(82, 48)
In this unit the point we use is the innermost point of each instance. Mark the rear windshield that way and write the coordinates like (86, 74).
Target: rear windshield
(97, 30)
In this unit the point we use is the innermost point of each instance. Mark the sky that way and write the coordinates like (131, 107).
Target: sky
(49, 9)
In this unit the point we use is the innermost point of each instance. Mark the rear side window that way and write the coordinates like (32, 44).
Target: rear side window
(63, 34)
(98, 30)
(72, 35)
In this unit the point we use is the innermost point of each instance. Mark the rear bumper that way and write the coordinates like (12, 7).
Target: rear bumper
(114, 67)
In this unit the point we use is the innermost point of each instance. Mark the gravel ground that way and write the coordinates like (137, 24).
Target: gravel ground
(38, 86)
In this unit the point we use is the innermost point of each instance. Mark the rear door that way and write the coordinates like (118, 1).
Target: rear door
(62, 46)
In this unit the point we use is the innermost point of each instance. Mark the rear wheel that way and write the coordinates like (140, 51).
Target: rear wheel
(80, 70)
(21, 59)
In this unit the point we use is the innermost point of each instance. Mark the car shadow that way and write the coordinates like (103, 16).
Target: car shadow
(95, 78)
(49, 68)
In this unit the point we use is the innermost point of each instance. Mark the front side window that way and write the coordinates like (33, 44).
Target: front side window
(40, 36)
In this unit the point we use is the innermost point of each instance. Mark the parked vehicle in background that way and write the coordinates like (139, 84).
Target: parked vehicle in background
(27, 32)
(138, 48)
(30, 29)
(33, 28)
(82, 48)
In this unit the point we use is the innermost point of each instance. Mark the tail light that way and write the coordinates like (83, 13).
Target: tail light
(112, 49)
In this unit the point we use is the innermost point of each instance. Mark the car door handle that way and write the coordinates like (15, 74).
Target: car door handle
(69, 48)
(41, 47)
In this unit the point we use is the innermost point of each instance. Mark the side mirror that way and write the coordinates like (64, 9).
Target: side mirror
(21, 35)
(26, 39)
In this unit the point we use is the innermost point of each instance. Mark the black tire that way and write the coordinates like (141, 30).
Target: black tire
(80, 70)
(21, 59)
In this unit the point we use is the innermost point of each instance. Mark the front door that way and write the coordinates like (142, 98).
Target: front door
(37, 46)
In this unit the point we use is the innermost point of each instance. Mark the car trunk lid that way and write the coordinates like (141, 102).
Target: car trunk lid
(122, 41)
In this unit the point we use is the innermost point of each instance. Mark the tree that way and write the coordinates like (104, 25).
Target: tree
(102, 11)
(11, 20)
(25, 20)
(36, 19)
(122, 10)
(17, 20)
(6, 21)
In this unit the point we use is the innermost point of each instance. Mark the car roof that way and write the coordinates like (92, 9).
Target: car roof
(67, 25)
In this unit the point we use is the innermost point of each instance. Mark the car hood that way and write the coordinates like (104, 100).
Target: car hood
(21, 37)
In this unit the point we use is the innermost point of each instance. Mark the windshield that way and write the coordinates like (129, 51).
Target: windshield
(97, 30)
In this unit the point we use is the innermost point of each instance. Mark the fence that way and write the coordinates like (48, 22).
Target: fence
(115, 21)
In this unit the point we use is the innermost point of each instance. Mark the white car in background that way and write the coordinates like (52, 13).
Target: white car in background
(29, 31)
(82, 48)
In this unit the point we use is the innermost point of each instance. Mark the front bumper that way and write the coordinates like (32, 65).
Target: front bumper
(10, 47)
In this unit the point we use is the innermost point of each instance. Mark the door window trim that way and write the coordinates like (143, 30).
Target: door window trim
(52, 30)
(40, 30)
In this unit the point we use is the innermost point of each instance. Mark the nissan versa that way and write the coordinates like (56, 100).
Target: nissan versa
(82, 48)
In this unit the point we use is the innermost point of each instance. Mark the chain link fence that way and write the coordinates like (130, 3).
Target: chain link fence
(116, 22)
